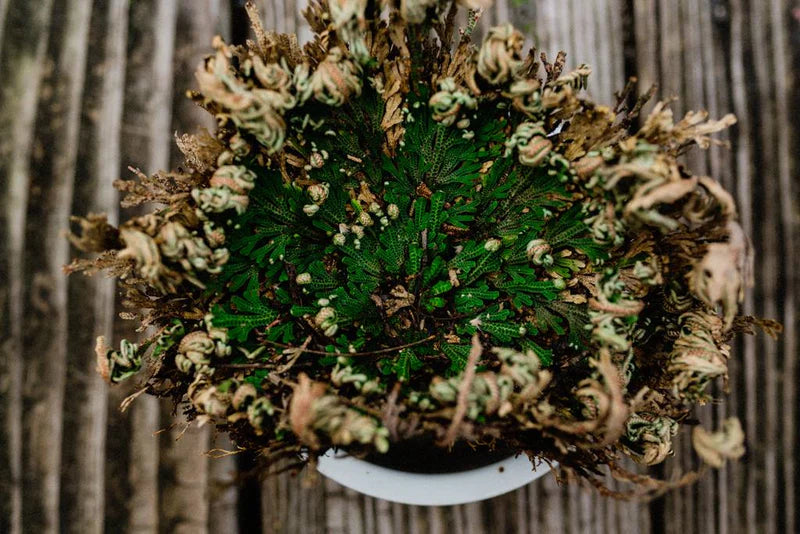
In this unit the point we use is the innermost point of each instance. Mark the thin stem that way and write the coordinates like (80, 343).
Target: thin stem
(263, 365)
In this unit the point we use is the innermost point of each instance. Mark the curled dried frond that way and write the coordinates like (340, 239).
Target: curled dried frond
(649, 437)
(448, 102)
(96, 234)
(720, 277)
(717, 447)
(499, 56)
(660, 127)
(117, 365)
(334, 81)
(312, 412)
(201, 150)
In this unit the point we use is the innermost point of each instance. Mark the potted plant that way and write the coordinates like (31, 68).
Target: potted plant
(408, 246)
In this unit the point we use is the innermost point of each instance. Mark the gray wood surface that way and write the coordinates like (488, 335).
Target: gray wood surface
(90, 87)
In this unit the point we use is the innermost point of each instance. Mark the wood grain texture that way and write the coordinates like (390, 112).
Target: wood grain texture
(3, 13)
(25, 34)
(62, 141)
(45, 334)
(91, 301)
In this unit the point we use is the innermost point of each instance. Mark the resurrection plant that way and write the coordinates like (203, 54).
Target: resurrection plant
(395, 233)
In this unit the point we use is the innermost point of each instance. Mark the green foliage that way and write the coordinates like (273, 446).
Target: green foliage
(458, 355)
(451, 261)
(402, 366)
(245, 313)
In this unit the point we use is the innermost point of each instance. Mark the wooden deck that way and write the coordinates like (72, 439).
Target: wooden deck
(89, 87)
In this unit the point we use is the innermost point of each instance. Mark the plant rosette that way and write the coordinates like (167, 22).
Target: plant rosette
(396, 234)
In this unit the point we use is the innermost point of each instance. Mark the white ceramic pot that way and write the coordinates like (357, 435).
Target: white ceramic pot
(437, 489)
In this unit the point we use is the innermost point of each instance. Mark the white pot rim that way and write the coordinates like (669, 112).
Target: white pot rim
(436, 489)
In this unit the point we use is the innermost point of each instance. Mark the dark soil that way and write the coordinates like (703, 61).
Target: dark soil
(422, 456)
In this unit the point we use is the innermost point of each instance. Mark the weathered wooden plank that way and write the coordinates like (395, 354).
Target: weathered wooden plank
(502, 11)
(370, 524)
(198, 22)
(715, 23)
(552, 511)
(746, 498)
(535, 507)
(398, 518)
(3, 13)
(295, 523)
(147, 142)
(495, 514)
(416, 522)
(646, 43)
(765, 241)
(91, 301)
(383, 514)
(355, 519)
(660, 59)
(291, 503)
(787, 96)
(270, 514)
(223, 492)
(142, 505)
(184, 471)
(520, 503)
(161, 85)
(45, 339)
(436, 520)
(24, 41)
(695, 97)
(474, 515)
(771, 140)
(335, 508)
